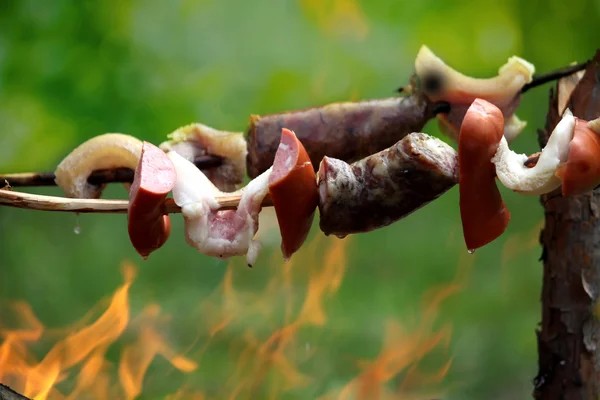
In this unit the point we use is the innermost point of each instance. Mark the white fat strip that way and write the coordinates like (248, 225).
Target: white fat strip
(288, 161)
(196, 139)
(500, 89)
(285, 147)
(540, 179)
(503, 90)
(107, 151)
(215, 233)
(192, 187)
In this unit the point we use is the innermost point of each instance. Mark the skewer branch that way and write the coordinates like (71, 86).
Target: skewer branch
(38, 202)
(554, 75)
(99, 177)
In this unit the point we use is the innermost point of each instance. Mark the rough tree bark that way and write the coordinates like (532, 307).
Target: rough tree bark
(569, 337)
(7, 393)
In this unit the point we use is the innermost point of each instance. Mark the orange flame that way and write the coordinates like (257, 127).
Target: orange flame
(402, 350)
(86, 346)
(269, 334)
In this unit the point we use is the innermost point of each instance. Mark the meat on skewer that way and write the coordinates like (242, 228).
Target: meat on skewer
(348, 131)
(107, 151)
(384, 187)
(213, 232)
(148, 224)
(293, 190)
(439, 82)
(194, 140)
(541, 178)
(581, 171)
(483, 213)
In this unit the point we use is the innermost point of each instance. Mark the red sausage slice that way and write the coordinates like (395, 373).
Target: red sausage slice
(293, 189)
(581, 172)
(483, 212)
(149, 227)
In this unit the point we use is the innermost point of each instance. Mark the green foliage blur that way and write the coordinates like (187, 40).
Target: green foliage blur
(71, 70)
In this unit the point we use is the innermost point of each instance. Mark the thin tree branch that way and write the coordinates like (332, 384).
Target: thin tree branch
(121, 175)
(554, 75)
(63, 204)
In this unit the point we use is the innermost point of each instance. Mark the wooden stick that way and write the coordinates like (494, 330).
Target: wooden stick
(554, 75)
(98, 177)
(63, 204)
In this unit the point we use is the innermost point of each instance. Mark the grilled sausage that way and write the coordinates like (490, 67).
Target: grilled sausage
(148, 226)
(581, 172)
(347, 131)
(384, 187)
(293, 189)
(483, 212)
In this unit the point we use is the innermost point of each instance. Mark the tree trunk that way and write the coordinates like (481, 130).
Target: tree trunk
(7, 393)
(569, 338)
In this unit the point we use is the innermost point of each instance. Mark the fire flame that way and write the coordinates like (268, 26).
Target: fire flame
(267, 332)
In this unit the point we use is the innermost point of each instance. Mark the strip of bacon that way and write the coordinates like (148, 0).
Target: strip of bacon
(540, 179)
(440, 82)
(110, 150)
(196, 140)
(218, 233)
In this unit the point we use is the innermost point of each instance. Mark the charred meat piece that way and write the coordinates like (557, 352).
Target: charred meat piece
(384, 187)
(348, 131)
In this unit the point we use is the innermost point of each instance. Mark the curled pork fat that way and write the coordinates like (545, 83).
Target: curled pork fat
(107, 151)
(440, 82)
(540, 179)
(194, 140)
(214, 232)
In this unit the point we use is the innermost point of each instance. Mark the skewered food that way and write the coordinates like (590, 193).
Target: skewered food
(148, 224)
(110, 150)
(384, 187)
(347, 131)
(194, 140)
(483, 213)
(293, 189)
(440, 82)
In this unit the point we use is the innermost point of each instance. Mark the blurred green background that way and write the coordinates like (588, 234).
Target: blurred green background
(70, 70)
